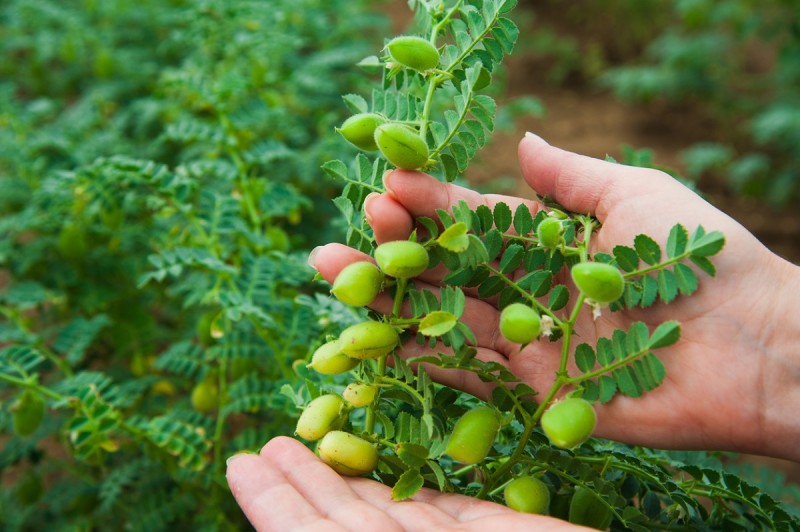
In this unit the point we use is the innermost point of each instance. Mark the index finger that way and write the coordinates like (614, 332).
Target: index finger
(421, 195)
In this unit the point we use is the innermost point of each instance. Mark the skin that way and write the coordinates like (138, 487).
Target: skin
(286, 488)
(733, 380)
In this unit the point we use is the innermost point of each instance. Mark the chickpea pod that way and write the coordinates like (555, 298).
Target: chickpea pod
(359, 130)
(602, 283)
(402, 146)
(369, 339)
(473, 435)
(329, 359)
(322, 415)
(358, 284)
(402, 259)
(347, 454)
(413, 52)
(520, 323)
(569, 422)
(527, 494)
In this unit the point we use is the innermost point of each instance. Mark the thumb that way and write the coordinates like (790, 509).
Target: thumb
(583, 184)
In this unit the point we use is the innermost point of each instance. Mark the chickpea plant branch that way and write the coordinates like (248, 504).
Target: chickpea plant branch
(520, 446)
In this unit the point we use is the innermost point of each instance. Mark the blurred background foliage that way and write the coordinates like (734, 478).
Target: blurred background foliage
(731, 66)
(160, 190)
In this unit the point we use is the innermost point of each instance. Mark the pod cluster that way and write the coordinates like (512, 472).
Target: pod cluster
(357, 284)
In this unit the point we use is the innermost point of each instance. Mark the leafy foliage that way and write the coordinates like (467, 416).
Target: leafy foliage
(159, 185)
(498, 253)
(159, 181)
(752, 94)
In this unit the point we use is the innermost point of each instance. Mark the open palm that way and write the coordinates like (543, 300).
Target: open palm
(287, 488)
(728, 331)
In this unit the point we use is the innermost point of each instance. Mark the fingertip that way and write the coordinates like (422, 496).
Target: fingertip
(240, 466)
(331, 258)
(388, 218)
(532, 138)
(368, 210)
(541, 164)
(312, 257)
(284, 451)
(278, 445)
(393, 179)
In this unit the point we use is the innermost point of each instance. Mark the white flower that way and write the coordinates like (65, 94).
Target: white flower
(547, 326)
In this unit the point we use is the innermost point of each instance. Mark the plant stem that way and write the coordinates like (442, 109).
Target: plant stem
(399, 296)
(568, 328)
(434, 81)
(588, 227)
(220, 425)
(32, 385)
(532, 300)
(410, 389)
(659, 266)
(606, 369)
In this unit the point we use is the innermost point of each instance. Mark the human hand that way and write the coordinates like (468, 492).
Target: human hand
(732, 379)
(287, 488)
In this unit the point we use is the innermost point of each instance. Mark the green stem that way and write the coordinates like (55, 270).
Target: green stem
(532, 300)
(562, 378)
(410, 389)
(362, 184)
(588, 228)
(399, 295)
(712, 491)
(567, 251)
(434, 81)
(659, 266)
(510, 394)
(606, 369)
(32, 385)
(369, 422)
(515, 457)
(537, 414)
(286, 371)
(220, 425)
(404, 322)
(568, 328)
(426, 110)
(578, 482)
(242, 171)
(458, 60)
(464, 470)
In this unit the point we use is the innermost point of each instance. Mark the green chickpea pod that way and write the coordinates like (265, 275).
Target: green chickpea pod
(474, 435)
(569, 422)
(527, 494)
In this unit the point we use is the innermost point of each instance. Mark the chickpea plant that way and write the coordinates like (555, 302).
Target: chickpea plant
(531, 449)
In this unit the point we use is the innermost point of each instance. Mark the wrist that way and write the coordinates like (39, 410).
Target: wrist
(780, 377)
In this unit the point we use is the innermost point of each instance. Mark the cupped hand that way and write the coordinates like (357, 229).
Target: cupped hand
(287, 488)
(738, 345)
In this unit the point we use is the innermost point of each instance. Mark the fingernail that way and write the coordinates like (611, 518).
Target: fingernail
(233, 457)
(371, 196)
(312, 255)
(534, 136)
(387, 183)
